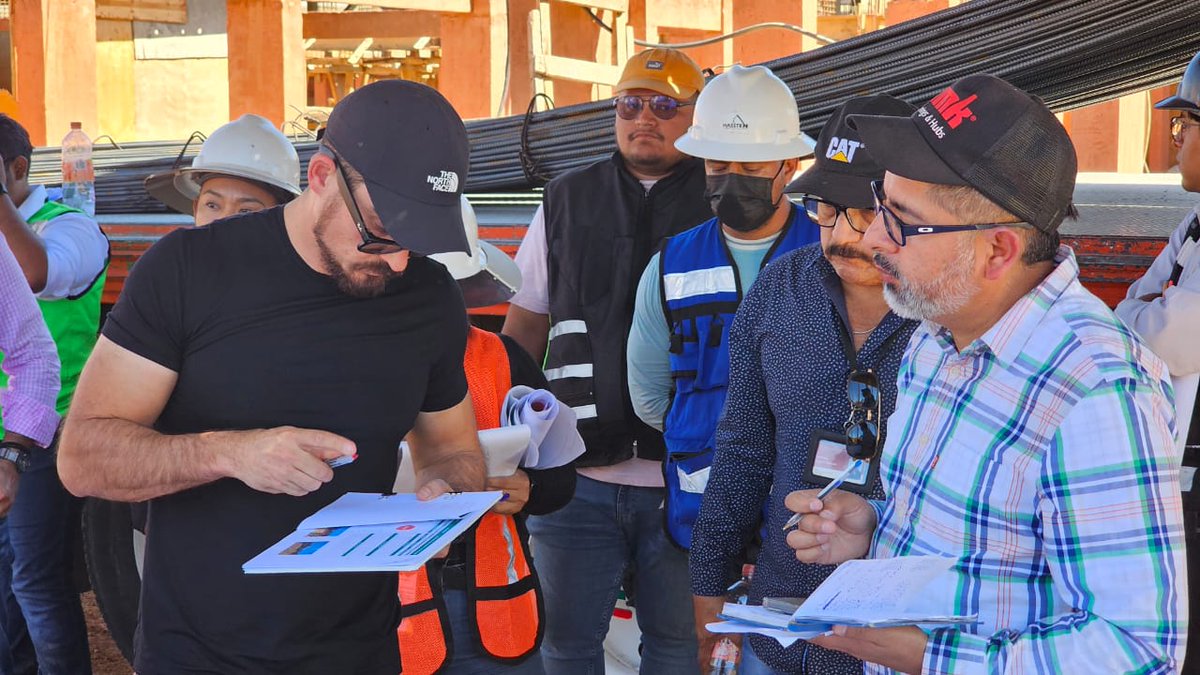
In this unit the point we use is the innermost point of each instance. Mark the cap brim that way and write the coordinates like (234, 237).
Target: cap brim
(840, 188)
(496, 283)
(1177, 103)
(420, 227)
(161, 186)
(897, 145)
(661, 87)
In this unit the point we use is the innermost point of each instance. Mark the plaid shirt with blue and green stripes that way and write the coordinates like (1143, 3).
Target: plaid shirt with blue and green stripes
(1042, 457)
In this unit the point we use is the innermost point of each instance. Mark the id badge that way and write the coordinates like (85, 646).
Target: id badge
(827, 459)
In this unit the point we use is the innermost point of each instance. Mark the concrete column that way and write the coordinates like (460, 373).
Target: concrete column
(54, 66)
(266, 58)
(772, 43)
(472, 70)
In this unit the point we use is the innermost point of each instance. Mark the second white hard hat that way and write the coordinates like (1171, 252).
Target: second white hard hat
(746, 115)
(486, 276)
(248, 147)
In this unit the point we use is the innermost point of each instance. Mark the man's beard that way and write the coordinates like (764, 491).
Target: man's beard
(362, 280)
(938, 297)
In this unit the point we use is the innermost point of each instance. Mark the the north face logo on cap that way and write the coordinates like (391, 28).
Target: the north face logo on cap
(654, 65)
(446, 181)
(736, 122)
(842, 149)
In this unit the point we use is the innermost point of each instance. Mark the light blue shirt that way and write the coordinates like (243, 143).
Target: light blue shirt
(648, 351)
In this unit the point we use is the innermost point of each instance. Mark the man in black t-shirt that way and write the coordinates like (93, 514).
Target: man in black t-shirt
(245, 355)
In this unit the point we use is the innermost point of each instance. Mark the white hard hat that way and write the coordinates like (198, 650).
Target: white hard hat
(486, 276)
(248, 147)
(746, 115)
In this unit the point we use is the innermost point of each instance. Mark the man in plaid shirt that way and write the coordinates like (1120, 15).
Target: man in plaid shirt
(1033, 436)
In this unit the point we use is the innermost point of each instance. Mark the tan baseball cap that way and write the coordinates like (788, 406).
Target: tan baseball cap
(667, 71)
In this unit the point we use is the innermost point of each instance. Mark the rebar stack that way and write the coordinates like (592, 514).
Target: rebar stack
(1072, 53)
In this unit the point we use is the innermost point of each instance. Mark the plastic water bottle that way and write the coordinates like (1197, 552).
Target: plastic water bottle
(724, 658)
(78, 175)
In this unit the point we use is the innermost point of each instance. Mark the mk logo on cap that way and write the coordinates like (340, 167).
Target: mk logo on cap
(736, 122)
(842, 149)
(654, 65)
(447, 181)
(952, 108)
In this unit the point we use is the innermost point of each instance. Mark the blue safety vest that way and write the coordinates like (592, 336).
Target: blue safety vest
(701, 291)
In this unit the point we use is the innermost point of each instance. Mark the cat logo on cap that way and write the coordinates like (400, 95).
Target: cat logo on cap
(842, 149)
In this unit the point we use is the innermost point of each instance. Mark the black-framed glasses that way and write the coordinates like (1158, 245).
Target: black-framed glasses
(862, 436)
(370, 243)
(812, 205)
(900, 231)
(664, 107)
(1178, 124)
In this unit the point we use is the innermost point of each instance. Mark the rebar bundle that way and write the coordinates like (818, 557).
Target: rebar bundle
(1071, 53)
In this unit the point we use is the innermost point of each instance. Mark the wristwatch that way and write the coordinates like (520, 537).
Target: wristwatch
(16, 453)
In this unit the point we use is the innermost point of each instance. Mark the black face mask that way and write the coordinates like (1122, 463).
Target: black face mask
(741, 202)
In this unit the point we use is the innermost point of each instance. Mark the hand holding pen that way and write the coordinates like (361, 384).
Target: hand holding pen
(832, 526)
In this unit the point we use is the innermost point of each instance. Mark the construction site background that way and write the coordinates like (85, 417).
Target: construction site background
(160, 69)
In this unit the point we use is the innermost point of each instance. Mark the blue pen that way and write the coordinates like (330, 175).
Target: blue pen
(833, 485)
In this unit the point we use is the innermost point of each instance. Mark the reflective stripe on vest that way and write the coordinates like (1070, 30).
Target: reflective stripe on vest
(701, 290)
(74, 322)
(503, 588)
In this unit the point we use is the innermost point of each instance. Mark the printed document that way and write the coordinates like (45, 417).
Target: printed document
(363, 532)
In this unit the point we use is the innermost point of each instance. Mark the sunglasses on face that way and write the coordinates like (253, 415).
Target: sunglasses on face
(899, 231)
(862, 436)
(370, 243)
(664, 107)
(1179, 124)
(812, 205)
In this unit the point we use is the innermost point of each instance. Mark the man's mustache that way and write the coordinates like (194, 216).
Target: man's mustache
(846, 251)
(886, 265)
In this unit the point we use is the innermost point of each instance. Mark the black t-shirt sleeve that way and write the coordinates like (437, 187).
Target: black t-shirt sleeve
(523, 369)
(447, 385)
(148, 318)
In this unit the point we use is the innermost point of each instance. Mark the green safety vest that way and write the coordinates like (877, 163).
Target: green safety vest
(74, 322)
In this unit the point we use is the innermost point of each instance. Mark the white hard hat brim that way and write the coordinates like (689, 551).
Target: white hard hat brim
(497, 282)
(187, 181)
(798, 148)
(161, 186)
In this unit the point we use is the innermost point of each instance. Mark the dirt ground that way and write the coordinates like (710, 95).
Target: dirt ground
(106, 658)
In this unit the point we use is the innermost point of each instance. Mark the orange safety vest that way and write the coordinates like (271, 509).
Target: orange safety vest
(502, 587)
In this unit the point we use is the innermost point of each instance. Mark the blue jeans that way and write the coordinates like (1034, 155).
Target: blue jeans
(40, 612)
(467, 659)
(582, 551)
(750, 664)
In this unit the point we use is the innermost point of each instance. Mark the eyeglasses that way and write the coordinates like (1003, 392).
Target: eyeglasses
(900, 231)
(862, 436)
(1178, 124)
(812, 206)
(664, 107)
(370, 243)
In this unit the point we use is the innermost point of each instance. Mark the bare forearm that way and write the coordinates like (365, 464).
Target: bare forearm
(27, 248)
(120, 460)
(530, 329)
(463, 470)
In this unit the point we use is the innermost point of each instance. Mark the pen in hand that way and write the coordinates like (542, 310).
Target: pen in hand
(833, 485)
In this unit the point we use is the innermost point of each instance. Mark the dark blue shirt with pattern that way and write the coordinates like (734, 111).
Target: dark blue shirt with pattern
(788, 371)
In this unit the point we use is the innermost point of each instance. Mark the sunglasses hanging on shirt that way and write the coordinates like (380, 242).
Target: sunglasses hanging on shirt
(830, 453)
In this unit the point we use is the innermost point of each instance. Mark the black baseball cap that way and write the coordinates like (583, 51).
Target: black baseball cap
(411, 148)
(984, 133)
(844, 169)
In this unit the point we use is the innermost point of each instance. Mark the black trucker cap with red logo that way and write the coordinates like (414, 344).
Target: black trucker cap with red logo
(984, 133)
(411, 148)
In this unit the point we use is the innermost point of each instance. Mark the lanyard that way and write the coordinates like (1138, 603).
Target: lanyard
(848, 343)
